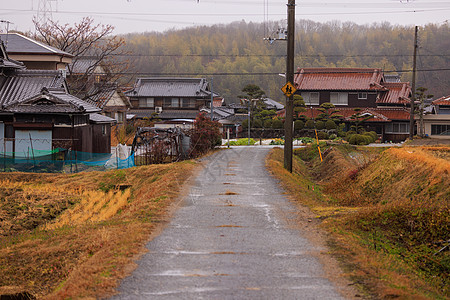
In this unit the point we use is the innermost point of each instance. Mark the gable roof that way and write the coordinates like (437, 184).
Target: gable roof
(442, 101)
(20, 44)
(101, 94)
(398, 93)
(24, 84)
(272, 103)
(83, 65)
(6, 62)
(51, 101)
(170, 87)
(354, 79)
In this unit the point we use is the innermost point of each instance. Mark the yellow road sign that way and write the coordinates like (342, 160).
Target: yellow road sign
(288, 89)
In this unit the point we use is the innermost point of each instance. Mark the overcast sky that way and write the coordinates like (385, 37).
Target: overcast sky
(160, 15)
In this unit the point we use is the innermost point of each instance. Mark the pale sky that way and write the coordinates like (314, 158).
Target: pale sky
(160, 15)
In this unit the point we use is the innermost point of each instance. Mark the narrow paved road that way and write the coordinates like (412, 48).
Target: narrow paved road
(231, 239)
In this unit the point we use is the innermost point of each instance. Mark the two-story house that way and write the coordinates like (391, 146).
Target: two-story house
(171, 98)
(387, 100)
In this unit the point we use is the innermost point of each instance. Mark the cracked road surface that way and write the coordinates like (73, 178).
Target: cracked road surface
(232, 238)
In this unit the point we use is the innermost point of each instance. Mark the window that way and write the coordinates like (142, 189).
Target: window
(119, 117)
(146, 102)
(171, 102)
(175, 102)
(402, 128)
(339, 98)
(440, 129)
(311, 98)
(187, 103)
(362, 96)
(104, 129)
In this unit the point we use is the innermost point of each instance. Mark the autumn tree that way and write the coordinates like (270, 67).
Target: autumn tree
(421, 106)
(94, 66)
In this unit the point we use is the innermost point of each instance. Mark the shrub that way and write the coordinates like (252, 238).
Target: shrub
(245, 124)
(320, 125)
(329, 125)
(257, 123)
(299, 125)
(359, 139)
(332, 136)
(205, 135)
(310, 124)
(268, 123)
(242, 142)
(277, 124)
(322, 135)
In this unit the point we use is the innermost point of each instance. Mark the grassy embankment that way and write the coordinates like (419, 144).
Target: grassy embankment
(387, 212)
(74, 236)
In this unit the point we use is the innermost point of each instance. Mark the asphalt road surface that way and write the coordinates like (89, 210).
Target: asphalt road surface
(231, 239)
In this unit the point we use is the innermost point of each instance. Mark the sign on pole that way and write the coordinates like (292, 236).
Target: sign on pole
(288, 89)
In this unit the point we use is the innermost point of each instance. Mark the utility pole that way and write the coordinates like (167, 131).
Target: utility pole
(413, 97)
(212, 99)
(288, 134)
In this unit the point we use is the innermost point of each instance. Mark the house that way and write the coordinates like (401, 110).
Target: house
(437, 123)
(171, 98)
(38, 113)
(35, 55)
(365, 88)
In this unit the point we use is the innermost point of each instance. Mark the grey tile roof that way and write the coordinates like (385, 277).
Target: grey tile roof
(102, 93)
(82, 64)
(24, 84)
(18, 43)
(98, 118)
(51, 101)
(272, 103)
(170, 87)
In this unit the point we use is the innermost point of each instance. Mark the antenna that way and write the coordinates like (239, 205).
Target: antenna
(7, 30)
(279, 35)
(44, 11)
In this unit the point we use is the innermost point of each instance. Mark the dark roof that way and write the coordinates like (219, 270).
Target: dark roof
(219, 113)
(81, 65)
(170, 87)
(272, 103)
(51, 101)
(102, 93)
(28, 83)
(101, 119)
(178, 114)
(352, 79)
(17, 43)
(6, 62)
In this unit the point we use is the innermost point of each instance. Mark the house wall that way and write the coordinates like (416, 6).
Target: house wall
(353, 101)
(101, 142)
(436, 120)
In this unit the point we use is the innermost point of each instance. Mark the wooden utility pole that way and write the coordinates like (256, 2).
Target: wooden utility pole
(413, 87)
(288, 126)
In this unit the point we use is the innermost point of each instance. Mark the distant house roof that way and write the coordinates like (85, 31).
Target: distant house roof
(178, 114)
(442, 101)
(6, 62)
(273, 104)
(219, 113)
(24, 84)
(81, 65)
(398, 93)
(354, 79)
(20, 44)
(101, 119)
(170, 87)
(102, 93)
(391, 78)
(51, 101)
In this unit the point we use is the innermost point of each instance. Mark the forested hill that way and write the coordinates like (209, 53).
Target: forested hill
(236, 54)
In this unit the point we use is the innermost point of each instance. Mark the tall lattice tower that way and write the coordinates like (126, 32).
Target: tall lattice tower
(44, 10)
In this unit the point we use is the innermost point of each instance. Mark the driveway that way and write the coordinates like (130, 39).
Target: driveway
(232, 238)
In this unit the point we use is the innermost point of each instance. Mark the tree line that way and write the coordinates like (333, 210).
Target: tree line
(236, 54)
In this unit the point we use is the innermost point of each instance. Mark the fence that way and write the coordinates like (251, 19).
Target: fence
(61, 160)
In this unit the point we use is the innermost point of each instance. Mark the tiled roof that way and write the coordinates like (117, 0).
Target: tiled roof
(398, 93)
(18, 43)
(102, 93)
(27, 83)
(51, 101)
(273, 103)
(98, 118)
(354, 79)
(380, 114)
(82, 64)
(442, 101)
(170, 87)
(178, 114)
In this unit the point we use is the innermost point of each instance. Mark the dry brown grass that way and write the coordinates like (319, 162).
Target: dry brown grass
(386, 215)
(82, 247)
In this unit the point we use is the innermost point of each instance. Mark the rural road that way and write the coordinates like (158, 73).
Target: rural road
(232, 238)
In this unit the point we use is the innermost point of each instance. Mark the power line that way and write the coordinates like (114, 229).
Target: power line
(276, 55)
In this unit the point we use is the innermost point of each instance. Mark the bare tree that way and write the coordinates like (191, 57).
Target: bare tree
(95, 65)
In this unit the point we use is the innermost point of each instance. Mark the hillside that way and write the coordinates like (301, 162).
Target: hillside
(237, 55)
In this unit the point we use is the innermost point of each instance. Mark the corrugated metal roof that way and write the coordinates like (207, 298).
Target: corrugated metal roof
(27, 83)
(20, 44)
(351, 79)
(442, 101)
(170, 87)
(398, 93)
